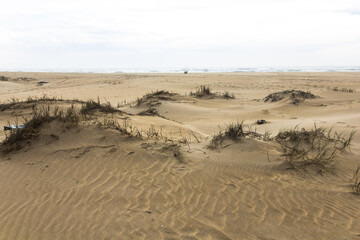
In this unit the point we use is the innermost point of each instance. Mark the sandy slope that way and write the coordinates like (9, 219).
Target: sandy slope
(93, 183)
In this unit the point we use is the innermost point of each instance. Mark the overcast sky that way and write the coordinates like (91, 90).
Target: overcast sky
(178, 33)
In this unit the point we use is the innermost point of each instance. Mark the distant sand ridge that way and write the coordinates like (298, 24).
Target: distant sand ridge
(154, 156)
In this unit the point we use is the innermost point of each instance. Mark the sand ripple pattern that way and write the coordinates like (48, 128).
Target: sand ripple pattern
(101, 190)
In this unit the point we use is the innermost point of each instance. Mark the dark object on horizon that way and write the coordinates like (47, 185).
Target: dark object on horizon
(262, 121)
(41, 83)
(186, 72)
(13, 127)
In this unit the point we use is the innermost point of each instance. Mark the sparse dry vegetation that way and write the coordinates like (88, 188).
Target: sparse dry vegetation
(25, 79)
(349, 90)
(205, 92)
(125, 128)
(42, 114)
(20, 137)
(90, 106)
(316, 147)
(32, 101)
(295, 96)
(154, 98)
(4, 79)
(175, 149)
(234, 132)
(228, 95)
(202, 91)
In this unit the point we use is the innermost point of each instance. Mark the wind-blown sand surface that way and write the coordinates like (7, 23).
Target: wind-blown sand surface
(89, 182)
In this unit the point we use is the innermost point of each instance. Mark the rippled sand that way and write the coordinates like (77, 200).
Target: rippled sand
(94, 183)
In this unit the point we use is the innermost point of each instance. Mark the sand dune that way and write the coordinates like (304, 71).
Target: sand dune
(91, 182)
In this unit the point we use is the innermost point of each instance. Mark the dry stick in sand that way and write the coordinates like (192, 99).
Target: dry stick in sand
(356, 179)
(195, 137)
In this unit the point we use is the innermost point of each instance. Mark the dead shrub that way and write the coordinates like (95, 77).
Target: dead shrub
(317, 147)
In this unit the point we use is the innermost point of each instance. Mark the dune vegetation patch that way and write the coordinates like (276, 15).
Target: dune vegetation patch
(4, 78)
(30, 102)
(25, 79)
(154, 98)
(234, 132)
(206, 92)
(19, 137)
(348, 90)
(317, 147)
(90, 106)
(295, 96)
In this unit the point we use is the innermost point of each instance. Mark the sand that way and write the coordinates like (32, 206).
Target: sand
(94, 183)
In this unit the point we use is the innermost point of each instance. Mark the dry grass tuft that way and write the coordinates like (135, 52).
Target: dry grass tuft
(90, 106)
(125, 128)
(202, 91)
(4, 79)
(234, 132)
(205, 92)
(18, 138)
(175, 149)
(154, 98)
(317, 147)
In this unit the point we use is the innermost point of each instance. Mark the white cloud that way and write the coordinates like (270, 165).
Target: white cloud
(141, 33)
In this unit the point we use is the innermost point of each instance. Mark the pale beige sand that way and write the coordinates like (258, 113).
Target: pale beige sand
(96, 184)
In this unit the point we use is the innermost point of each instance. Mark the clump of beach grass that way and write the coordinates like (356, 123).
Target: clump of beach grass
(4, 79)
(19, 137)
(316, 147)
(90, 106)
(154, 98)
(205, 92)
(202, 91)
(233, 131)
